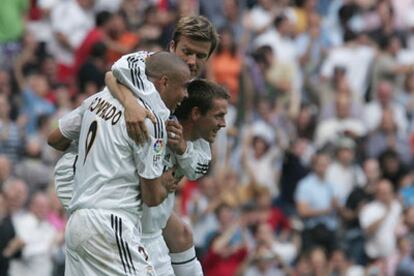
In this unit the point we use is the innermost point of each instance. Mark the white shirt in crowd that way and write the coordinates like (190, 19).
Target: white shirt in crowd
(39, 238)
(68, 18)
(373, 116)
(330, 130)
(344, 179)
(383, 242)
(356, 60)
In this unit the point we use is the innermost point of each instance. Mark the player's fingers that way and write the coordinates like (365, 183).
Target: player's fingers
(144, 131)
(173, 123)
(132, 133)
(135, 135)
(174, 129)
(151, 116)
(138, 133)
(173, 136)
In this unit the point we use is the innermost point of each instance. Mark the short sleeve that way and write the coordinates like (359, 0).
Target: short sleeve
(149, 156)
(70, 124)
(130, 71)
(195, 161)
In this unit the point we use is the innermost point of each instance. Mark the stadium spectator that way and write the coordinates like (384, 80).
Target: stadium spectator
(99, 33)
(201, 209)
(34, 101)
(379, 220)
(384, 99)
(6, 168)
(316, 205)
(9, 244)
(12, 135)
(330, 129)
(339, 264)
(226, 64)
(32, 170)
(227, 248)
(387, 136)
(11, 30)
(39, 238)
(343, 174)
(71, 21)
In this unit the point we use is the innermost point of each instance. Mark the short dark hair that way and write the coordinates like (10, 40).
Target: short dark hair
(197, 28)
(102, 18)
(98, 50)
(201, 94)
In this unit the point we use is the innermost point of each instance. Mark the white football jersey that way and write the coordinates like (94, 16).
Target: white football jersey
(109, 163)
(69, 126)
(130, 71)
(65, 173)
(193, 164)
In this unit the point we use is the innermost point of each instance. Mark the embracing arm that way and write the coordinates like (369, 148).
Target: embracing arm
(69, 128)
(134, 113)
(57, 141)
(153, 191)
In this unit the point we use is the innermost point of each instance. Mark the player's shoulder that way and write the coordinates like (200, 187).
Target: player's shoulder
(202, 144)
(138, 56)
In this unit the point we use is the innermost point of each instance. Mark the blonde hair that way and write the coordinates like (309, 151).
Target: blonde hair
(197, 28)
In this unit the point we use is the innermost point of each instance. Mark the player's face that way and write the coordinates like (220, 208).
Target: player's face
(176, 90)
(210, 123)
(194, 53)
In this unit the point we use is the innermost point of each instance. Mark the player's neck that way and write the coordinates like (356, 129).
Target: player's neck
(188, 131)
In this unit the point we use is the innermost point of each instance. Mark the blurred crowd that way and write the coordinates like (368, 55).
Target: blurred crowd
(313, 174)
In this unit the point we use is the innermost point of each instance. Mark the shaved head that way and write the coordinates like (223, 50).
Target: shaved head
(165, 64)
(170, 76)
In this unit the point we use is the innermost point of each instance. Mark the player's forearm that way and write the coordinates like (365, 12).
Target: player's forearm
(120, 92)
(57, 141)
(153, 192)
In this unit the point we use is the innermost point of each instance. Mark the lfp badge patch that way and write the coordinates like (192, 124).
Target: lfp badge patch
(158, 150)
(158, 146)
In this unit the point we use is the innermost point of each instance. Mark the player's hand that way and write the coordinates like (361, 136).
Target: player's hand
(176, 140)
(135, 115)
(169, 181)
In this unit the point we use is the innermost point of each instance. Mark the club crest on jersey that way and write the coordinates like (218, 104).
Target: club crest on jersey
(158, 146)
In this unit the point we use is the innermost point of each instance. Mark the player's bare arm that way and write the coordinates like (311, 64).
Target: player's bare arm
(57, 141)
(154, 191)
(134, 113)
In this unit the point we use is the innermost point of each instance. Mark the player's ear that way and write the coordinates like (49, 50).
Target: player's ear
(164, 81)
(195, 113)
(171, 46)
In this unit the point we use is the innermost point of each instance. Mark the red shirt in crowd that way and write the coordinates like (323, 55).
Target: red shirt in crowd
(278, 220)
(215, 265)
(84, 50)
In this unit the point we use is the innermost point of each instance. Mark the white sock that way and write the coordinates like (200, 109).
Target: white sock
(186, 263)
